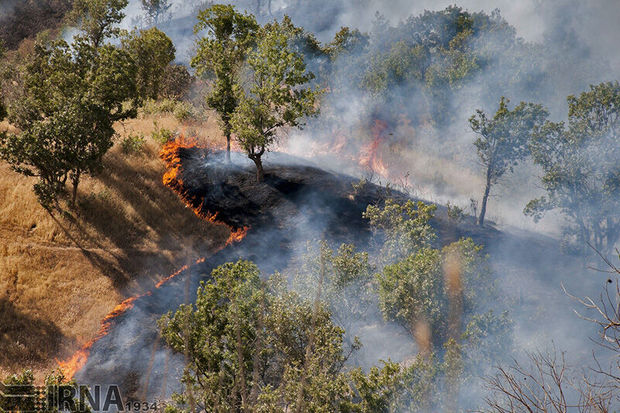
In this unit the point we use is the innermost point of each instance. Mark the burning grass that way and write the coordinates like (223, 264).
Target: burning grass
(172, 178)
(60, 276)
(171, 154)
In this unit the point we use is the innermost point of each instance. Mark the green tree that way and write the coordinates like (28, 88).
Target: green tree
(257, 346)
(347, 283)
(503, 141)
(420, 284)
(220, 54)
(155, 9)
(152, 52)
(176, 82)
(581, 172)
(98, 19)
(72, 95)
(278, 95)
(404, 227)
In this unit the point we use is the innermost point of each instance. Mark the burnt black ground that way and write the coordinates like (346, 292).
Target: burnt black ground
(296, 201)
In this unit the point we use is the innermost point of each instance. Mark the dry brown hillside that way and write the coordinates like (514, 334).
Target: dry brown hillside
(60, 275)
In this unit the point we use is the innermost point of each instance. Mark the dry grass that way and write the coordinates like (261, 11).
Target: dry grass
(60, 275)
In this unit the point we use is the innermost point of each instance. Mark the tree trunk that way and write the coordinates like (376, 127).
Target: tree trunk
(260, 173)
(228, 147)
(310, 345)
(75, 180)
(485, 197)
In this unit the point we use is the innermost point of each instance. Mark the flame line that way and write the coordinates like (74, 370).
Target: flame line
(171, 157)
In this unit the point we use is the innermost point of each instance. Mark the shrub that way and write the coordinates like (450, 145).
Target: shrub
(184, 111)
(181, 110)
(163, 135)
(132, 144)
(455, 213)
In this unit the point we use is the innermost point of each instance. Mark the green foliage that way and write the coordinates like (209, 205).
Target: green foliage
(346, 283)
(503, 140)
(255, 345)
(181, 110)
(276, 97)
(581, 169)
(220, 54)
(132, 144)
(432, 55)
(162, 135)
(422, 285)
(411, 291)
(184, 111)
(63, 145)
(243, 335)
(152, 52)
(405, 227)
(97, 19)
(455, 213)
(71, 96)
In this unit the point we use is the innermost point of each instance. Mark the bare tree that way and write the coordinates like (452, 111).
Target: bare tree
(548, 385)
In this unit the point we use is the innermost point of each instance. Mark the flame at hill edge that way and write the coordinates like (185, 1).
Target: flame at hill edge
(170, 154)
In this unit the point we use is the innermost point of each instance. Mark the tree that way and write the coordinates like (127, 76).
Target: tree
(72, 95)
(547, 384)
(97, 19)
(277, 97)
(503, 141)
(405, 227)
(581, 172)
(432, 290)
(154, 9)
(152, 52)
(220, 53)
(250, 346)
(346, 287)
(176, 82)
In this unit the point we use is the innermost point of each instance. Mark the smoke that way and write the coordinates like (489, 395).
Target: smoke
(571, 44)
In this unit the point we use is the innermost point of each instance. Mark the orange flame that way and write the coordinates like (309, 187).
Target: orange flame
(75, 363)
(370, 157)
(237, 235)
(171, 155)
(171, 276)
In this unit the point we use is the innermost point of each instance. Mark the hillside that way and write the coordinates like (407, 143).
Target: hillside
(60, 275)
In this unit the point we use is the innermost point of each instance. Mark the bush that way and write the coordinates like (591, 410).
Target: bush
(163, 135)
(184, 111)
(455, 213)
(132, 144)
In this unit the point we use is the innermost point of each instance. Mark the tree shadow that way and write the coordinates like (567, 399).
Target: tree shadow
(25, 341)
(157, 222)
